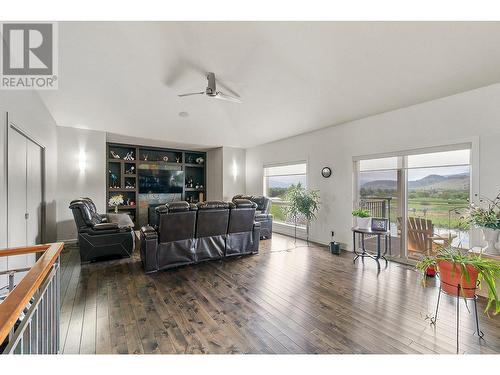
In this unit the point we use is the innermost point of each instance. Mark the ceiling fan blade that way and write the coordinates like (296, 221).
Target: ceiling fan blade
(192, 93)
(221, 95)
(228, 89)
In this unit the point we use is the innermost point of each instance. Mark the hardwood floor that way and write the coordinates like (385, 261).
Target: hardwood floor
(283, 300)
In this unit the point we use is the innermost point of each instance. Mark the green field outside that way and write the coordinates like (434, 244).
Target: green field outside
(435, 209)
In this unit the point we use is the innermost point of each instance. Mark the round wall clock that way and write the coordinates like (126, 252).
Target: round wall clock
(326, 172)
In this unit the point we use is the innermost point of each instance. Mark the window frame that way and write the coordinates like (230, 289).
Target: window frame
(277, 200)
(470, 144)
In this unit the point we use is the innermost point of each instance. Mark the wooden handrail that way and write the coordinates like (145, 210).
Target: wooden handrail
(23, 250)
(16, 301)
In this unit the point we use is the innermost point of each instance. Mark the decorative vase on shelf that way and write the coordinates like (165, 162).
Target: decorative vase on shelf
(491, 238)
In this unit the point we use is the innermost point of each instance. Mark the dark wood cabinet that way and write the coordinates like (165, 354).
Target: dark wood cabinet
(125, 163)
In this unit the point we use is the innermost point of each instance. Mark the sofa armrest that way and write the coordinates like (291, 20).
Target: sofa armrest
(256, 236)
(149, 249)
(105, 226)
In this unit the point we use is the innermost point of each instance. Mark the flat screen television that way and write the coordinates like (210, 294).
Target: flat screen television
(160, 181)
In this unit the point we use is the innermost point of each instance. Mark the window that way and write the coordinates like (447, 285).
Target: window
(428, 190)
(277, 181)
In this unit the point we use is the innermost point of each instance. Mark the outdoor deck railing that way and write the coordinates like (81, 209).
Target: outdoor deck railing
(378, 207)
(30, 314)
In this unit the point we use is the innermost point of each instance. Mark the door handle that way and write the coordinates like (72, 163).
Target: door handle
(26, 215)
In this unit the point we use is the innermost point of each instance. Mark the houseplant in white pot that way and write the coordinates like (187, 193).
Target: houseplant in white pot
(363, 218)
(487, 217)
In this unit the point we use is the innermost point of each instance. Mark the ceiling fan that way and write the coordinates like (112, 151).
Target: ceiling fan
(212, 92)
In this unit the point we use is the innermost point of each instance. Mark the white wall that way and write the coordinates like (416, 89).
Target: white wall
(27, 111)
(214, 174)
(469, 116)
(226, 173)
(233, 172)
(73, 182)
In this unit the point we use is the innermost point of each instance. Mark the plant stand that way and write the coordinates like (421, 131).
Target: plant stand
(365, 254)
(480, 333)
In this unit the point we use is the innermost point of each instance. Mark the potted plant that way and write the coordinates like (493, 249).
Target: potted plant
(486, 217)
(301, 203)
(115, 201)
(363, 218)
(460, 274)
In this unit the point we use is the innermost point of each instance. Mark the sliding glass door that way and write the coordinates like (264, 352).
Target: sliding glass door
(423, 194)
(380, 189)
(438, 186)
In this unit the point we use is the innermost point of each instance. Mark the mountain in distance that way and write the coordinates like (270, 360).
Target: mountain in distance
(430, 182)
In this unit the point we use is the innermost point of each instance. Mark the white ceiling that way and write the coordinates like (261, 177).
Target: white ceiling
(293, 77)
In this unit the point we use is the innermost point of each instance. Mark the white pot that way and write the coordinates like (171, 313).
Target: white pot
(364, 222)
(491, 238)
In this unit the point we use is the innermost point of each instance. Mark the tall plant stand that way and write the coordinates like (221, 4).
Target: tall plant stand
(480, 333)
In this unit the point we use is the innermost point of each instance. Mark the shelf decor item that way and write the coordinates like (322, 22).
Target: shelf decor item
(129, 156)
(115, 155)
(486, 215)
(115, 201)
(302, 203)
(113, 180)
(363, 218)
(200, 160)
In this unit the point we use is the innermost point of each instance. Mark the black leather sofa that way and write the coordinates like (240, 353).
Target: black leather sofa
(189, 233)
(97, 236)
(262, 214)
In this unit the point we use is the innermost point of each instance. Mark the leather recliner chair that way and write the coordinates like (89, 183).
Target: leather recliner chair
(262, 214)
(191, 234)
(241, 236)
(211, 230)
(176, 230)
(96, 236)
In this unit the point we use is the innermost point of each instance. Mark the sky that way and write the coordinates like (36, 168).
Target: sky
(413, 174)
(286, 181)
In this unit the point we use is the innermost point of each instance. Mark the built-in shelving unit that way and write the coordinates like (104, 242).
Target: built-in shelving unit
(123, 175)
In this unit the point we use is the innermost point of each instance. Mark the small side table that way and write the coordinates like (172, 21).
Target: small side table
(362, 232)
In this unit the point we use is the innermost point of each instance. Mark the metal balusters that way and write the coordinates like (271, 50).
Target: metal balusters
(38, 331)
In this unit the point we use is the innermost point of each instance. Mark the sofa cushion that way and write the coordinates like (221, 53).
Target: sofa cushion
(175, 207)
(260, 217)
(106, 226)
(213, 205)
(243, 203)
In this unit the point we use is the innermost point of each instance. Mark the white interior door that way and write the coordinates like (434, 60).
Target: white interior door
(24, 198)
(17, 144)
(3, 196)
(16, 200)
(33, 193)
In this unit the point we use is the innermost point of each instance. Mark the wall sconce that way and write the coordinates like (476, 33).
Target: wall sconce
(82, 161)
(235, 170)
